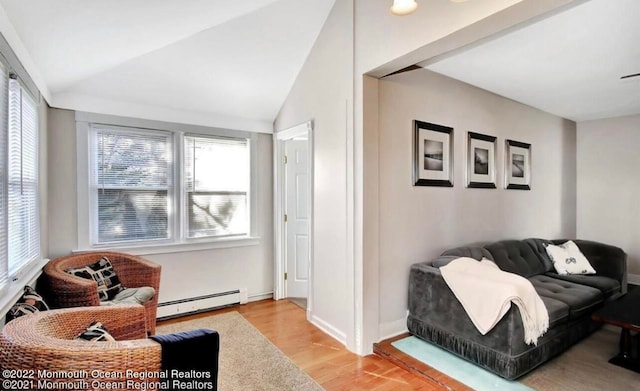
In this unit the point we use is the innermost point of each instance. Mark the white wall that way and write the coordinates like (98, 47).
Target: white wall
(330, 91)
(387, 42)
(417, 223)
(608, 185)
(323, 92)
(185, 274)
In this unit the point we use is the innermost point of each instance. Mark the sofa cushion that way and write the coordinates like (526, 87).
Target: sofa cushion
(474, 252)
(580, 298)
(516, 256)
(608, 286)
(539, 248)
(558, 310)
(442, 260)
(608, 260)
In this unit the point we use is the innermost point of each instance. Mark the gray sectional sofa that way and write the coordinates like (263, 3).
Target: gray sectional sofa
(435, 314)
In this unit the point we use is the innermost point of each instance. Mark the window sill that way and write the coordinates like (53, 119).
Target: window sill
(17, 284)
(178, 247)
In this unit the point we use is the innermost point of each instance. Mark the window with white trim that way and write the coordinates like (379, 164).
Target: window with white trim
(4, 261)
(19, 187)
(158, 187)
(22, 179)
(132, 183)
(217, 178)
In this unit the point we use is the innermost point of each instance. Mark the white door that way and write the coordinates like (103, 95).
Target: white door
(297, 210)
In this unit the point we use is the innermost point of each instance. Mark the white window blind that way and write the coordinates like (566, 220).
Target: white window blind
(22, 181)
(4, 264)
(132, 184)
(217, 182)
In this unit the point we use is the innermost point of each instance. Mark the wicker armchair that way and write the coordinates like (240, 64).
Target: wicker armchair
(44, 342)
(64, 290)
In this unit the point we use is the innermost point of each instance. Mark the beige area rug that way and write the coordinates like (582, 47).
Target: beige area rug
(248, 360)
(584, 367)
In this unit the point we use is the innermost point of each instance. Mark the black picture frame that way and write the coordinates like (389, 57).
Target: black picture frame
(433, 154)
(517, 165)
(481, 161)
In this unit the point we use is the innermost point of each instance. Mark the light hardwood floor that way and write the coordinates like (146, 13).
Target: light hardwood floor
(323, 358)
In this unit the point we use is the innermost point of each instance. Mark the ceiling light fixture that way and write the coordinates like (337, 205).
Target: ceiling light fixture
(403, 7)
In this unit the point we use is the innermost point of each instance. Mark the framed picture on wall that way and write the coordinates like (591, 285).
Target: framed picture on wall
(517, 165)
(481, 161)
(433, 154)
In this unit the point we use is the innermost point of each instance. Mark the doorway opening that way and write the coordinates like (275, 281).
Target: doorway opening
(293, 199)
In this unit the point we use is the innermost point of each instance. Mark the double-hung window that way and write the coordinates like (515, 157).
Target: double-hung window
(22, 179)
(4, 262)
(217, 178)
(19, 187)
(160, 188)
(132, 185)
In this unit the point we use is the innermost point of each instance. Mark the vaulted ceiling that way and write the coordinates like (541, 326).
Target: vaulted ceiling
(232, 63)
(215, 62)
(569, 64)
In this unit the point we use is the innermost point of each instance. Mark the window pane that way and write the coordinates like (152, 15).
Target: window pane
(216, 164)
(128, 159)
(217, 179)
(24, 238)
(23, 218)
(216, 214)
(4, 264)
(133, 183)
(132, 215)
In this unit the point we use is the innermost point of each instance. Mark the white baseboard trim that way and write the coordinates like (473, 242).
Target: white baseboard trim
(329, 329)
(260, 296)
(633, 279)
(394, 328)
(192, 305)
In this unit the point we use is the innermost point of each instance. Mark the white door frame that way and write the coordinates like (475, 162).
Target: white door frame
(279, 291)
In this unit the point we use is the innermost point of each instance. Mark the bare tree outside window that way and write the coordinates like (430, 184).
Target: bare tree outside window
(217, 184)
(135, 193)
(133, 180)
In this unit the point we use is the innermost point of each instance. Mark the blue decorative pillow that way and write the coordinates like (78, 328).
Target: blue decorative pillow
(102, 273)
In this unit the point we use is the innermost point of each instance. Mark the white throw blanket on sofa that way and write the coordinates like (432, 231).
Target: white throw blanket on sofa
(486, 293)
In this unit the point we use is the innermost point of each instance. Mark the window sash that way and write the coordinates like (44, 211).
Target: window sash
(135, 203)
(216, 199)
(143, 215)
(23, 243)
(231, 220)
(4, 259)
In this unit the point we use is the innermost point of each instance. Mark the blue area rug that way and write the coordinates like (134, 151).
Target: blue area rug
(455, 367)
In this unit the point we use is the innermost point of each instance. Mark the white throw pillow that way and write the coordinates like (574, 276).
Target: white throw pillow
(568, 259)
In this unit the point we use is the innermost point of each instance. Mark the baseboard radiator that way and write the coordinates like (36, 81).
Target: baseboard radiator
(193, 305)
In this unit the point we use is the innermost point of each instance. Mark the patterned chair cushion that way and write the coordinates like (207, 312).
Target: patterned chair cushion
(30, 302)
(96, 332)
(104, 275)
